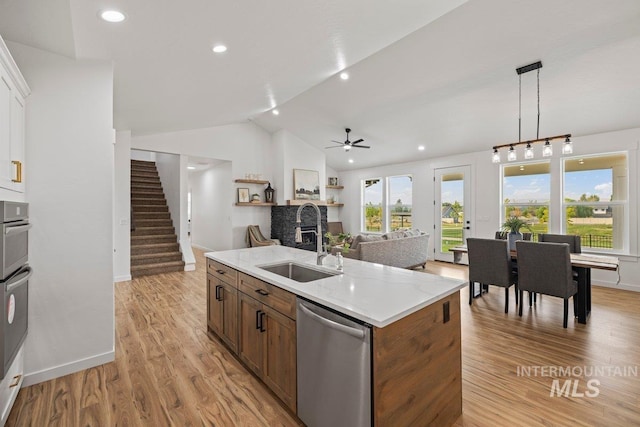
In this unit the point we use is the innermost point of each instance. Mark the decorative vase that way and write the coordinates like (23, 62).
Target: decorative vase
(512, 238)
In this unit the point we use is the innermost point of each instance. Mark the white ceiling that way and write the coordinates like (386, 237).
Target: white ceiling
(437, 73)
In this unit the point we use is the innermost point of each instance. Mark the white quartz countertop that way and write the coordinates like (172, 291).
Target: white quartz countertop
(373, 293)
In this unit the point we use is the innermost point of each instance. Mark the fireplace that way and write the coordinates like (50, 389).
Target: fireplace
(283, 226)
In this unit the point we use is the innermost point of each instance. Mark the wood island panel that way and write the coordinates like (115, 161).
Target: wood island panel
(417, 368)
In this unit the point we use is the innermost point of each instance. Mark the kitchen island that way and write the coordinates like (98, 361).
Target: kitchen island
(415, 319)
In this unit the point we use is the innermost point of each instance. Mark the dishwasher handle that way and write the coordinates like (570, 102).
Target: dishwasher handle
(355, 332)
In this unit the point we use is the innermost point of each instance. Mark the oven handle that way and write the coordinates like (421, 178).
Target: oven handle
(18, 229)
(20, 282)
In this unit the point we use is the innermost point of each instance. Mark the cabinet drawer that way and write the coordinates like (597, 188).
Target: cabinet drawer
(276, 298)
(11, 384)
(222, 272)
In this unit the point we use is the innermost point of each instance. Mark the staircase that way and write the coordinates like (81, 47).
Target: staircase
(154, 247)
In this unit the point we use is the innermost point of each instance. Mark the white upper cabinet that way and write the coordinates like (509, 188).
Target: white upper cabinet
(13, 92)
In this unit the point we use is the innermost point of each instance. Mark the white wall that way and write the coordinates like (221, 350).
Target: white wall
(210, 210)
(294, 153)
(485, 194)
(246, 146)
(145, 156)
(122, 209)
(70, 152)
(168, 166)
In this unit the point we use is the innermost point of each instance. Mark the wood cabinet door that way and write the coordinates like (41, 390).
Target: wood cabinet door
(214, 305)
(251, 338)
(229, 296)
(280, 356)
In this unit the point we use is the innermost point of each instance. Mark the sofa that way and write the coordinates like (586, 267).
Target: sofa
(404, 249)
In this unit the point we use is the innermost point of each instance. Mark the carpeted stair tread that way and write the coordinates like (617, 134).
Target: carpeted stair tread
(141, 216)
(154, 222)
(153, 231)
(147, 195)
(159, 268)
(155, 248)
(155, 258)
(145, 240)
(147, 201)
(149, 208)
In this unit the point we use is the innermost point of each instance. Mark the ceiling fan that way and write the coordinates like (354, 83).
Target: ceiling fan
(347, 145)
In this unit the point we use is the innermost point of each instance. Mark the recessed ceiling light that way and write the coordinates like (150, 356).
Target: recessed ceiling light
(344, 76)
(350, 160)
(219, 48)
(275, 111)
(112, 16)
(421, 147)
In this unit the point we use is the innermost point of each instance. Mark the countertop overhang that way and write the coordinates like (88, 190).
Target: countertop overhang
(373, 293)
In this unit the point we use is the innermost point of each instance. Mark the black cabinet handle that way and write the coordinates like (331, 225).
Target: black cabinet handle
(262, 292)
(218, 297)
(262, 313)
(258, 320)
(220, 271)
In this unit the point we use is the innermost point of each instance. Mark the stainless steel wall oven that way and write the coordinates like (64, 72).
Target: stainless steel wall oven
(15, 270)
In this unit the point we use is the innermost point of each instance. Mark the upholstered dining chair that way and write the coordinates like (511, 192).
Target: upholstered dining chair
(490, 264)
(572, 240)
(545, 268)
(255, 237)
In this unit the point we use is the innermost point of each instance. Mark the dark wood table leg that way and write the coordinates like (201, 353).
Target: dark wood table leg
(584, 294)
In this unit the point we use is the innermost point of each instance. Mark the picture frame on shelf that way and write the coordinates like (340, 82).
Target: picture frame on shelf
(306, 184)
(333, 180)
(243, 195)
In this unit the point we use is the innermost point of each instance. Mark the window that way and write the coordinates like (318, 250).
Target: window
(372, 209)
(595, 200)
(399, 202)
(526, 193)
(387, 203)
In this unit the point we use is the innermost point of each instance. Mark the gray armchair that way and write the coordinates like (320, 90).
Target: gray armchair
(545, 268)
(490, 264)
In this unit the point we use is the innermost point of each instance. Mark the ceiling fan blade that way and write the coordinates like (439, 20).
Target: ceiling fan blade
(337, 142)
(334, 146)
(361, 146)
(358, 141)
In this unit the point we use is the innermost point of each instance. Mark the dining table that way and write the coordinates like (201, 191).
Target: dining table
(581, 264)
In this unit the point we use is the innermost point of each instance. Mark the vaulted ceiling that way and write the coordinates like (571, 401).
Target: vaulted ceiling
(437, 73)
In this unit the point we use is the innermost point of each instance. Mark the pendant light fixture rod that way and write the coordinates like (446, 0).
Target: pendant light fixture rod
(531, 141)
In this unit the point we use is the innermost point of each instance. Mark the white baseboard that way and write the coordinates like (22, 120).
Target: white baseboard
(202, 248)
(123, 278)
(68, 368)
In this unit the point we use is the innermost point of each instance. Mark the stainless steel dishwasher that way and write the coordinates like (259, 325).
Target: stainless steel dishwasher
(334, 368)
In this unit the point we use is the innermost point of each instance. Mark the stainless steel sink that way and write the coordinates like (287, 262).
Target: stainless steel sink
(298, 272)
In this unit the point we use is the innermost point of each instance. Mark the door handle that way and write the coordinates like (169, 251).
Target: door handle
(467, 228)
(16, 381)
(218, 296)
(262, 314)
(220, 271)
(262, 292)
(258, 319)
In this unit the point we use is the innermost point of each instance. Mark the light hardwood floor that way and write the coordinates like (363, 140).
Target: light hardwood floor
(168, 372)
